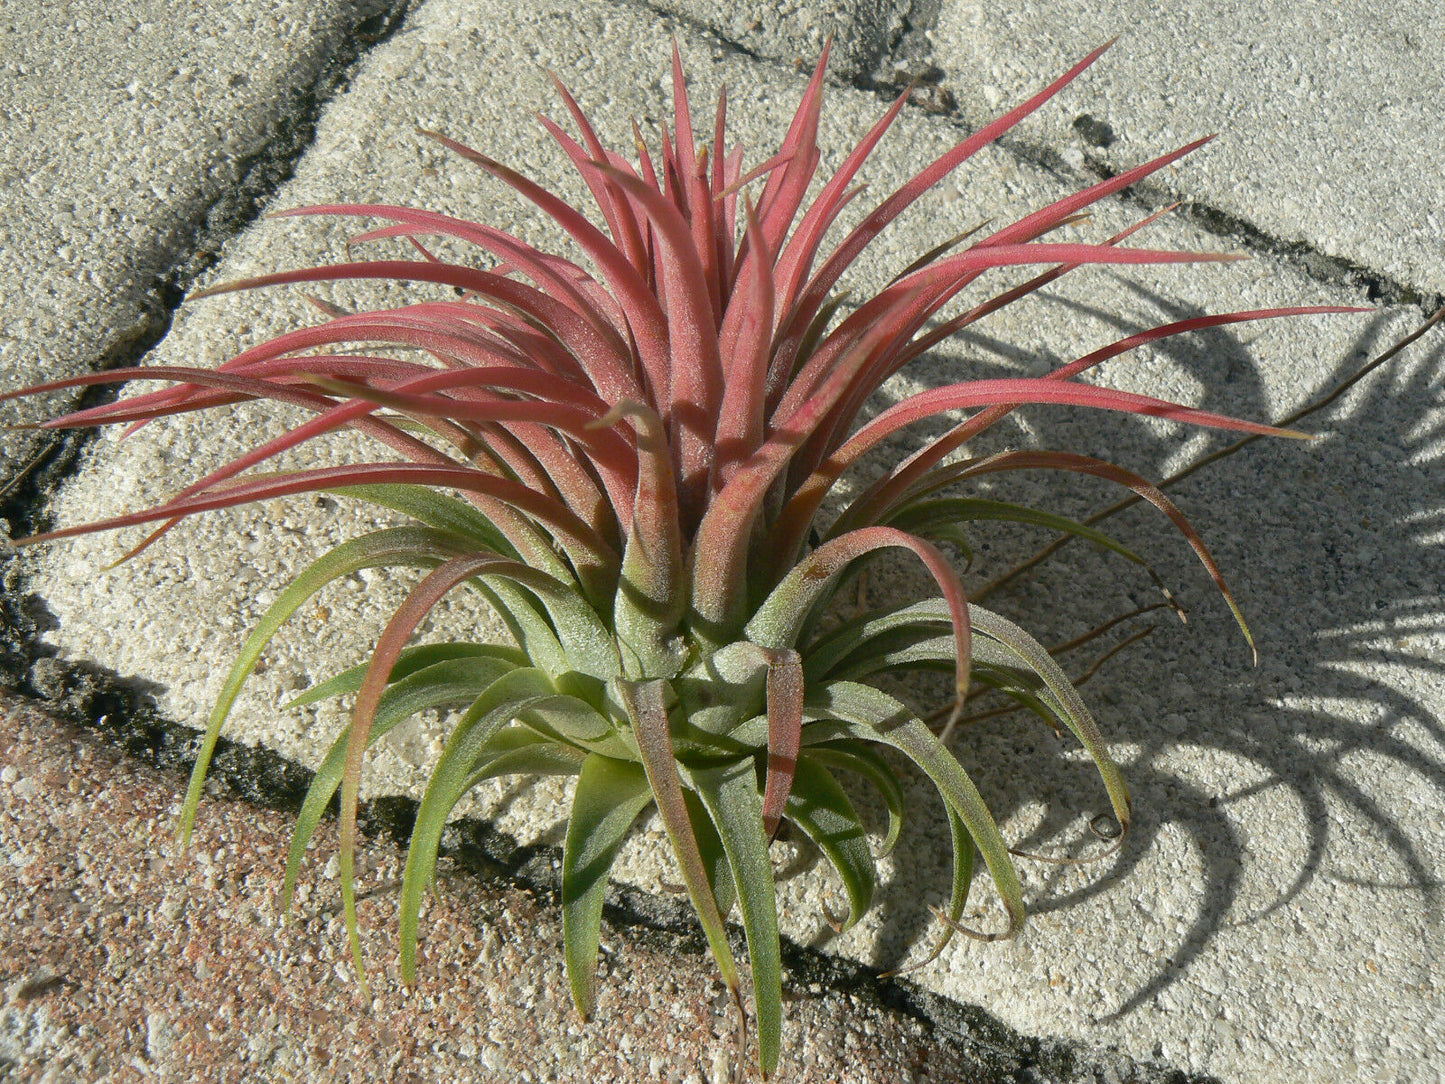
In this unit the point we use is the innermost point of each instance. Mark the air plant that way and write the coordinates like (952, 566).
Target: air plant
(629, 461)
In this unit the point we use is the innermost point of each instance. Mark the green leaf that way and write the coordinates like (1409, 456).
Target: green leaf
(420, 547)
(820, 808)
(933, 518)
(922, 646)
(529, 541)
(588, 646)
(1014, 684)
(571, 720)
(410, 661)
(552, 623)
(716, 694)
(865, 713)
(519, 750)
(646, 705)
(860, 758)
(526, 620)
(730, 793)
(714, 857)
(1005, 656)
(914, 646)
(1066, 700)
(958, 893)
(607, 800)
(784, 614)
(427, 506)
(870, 643)
(447, 682)
(581, 726)
(494, 709)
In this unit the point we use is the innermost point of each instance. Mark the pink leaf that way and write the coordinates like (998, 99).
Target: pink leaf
(823, 282)
(403, 623)
(869, 504)
(740, 422)
(694, 366)
(785, 733)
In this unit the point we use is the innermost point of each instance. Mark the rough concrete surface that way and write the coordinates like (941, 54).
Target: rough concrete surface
(134, 136)
(794, 31)
(1274, 916)
(1328, 112)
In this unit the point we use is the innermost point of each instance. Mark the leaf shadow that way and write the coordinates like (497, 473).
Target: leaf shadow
(1355, 566)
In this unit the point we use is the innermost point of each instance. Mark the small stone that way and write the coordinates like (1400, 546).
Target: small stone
(721, 1071)
(160, 1036)
(172, 905)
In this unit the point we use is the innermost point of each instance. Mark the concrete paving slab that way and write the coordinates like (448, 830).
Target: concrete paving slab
(127, 131)
(1283, 849)
(1331, 133)
(794, 32)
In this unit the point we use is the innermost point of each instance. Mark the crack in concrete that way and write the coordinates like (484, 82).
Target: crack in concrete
(232, 210)
(906, 57)
(914, 60)
(1301, 256)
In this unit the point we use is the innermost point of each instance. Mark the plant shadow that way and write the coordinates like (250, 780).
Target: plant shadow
(1342, 721)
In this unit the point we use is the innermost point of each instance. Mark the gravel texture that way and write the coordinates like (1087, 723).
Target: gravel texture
(127, 960)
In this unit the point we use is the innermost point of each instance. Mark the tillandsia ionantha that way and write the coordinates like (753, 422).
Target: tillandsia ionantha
(629, 461)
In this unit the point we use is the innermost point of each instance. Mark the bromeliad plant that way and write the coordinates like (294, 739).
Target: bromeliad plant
(627, 460)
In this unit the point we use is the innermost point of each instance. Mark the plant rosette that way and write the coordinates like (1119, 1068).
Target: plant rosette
(634, 461)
